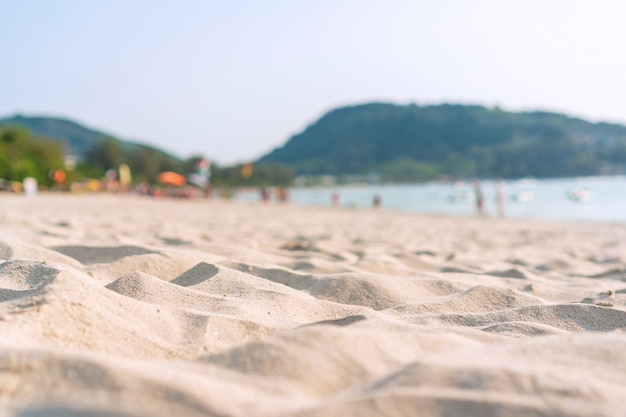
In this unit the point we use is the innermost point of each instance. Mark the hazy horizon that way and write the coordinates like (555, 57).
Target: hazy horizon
(233, 81)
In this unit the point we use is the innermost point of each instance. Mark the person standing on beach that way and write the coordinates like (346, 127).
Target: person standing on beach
(282, 194)
(500, 196)
(265, 195)
(376, 201)
(479, 198)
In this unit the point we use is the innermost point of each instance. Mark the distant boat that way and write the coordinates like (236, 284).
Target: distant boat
(579, 194)
(523, 196)
(460, 193)
(459, 196)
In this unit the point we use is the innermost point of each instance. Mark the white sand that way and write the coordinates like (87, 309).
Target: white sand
(126, 306)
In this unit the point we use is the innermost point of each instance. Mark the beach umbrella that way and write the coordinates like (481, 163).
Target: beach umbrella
(58, 176)
(171, 178)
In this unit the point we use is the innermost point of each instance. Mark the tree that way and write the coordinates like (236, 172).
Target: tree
(22, 155)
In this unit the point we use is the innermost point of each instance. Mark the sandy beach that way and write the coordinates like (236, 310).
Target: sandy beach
(130, 306)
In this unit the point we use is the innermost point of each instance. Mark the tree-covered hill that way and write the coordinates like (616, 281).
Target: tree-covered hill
(76, 138)
(33, 146)
(97, 149)
(422, 142)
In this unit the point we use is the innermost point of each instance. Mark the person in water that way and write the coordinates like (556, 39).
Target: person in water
(376, 201)
(479, 200)
(500, 196)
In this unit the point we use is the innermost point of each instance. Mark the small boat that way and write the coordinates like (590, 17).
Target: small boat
(523, 196)
(459, 196)
(579, 194)
(459, 193)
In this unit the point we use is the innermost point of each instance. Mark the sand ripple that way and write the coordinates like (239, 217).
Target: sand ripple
(211, 308)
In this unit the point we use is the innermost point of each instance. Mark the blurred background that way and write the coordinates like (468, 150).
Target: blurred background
(124, 96)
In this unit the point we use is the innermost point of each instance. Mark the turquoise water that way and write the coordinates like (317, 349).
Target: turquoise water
(605, 198)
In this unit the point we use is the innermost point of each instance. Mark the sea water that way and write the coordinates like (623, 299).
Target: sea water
(601, 199)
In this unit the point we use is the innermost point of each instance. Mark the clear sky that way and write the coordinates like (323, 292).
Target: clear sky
(233, 79)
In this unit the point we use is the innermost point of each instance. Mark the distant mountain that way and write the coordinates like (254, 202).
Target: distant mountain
(77, 139)
(422, 142)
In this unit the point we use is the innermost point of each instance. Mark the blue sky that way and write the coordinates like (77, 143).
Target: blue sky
(234, 79)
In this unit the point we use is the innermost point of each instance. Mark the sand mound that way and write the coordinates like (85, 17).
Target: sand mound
(230, 300)
(19, 279)
(570, 317)
(359, 289)
(165, 266)
(11, 249)
(333, 357)
(144, 287)
(474, 300)
(25, 275)
(65, 381)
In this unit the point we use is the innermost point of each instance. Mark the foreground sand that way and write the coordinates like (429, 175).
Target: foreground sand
(114, 306)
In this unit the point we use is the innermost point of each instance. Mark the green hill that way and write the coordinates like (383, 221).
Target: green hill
(31, 146)
(98, 149)
(76, 138)
(422, 142)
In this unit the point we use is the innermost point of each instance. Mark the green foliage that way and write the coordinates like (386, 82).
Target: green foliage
(22, 155)
(145, 162)
(75, 139)
(413, 143)
(407, 169)
(98, 151)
